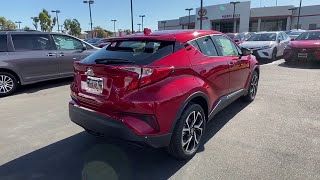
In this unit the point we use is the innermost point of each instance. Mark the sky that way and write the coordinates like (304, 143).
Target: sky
(103, 11)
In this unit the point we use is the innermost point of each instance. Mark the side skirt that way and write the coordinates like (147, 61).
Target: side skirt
(226, 100)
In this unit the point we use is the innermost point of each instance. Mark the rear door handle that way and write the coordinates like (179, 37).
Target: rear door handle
(51, 54)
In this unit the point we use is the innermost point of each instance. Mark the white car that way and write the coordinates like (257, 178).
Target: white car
(267, 45)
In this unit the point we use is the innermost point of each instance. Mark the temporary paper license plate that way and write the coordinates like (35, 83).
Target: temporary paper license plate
(93, 85)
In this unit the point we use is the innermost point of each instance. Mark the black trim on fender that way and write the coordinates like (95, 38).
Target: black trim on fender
(186, 102)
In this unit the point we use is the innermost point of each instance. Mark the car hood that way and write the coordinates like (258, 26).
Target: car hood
(305, 44)
(256, 44)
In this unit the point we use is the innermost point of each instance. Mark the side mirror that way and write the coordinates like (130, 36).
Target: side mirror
(278, 41)
(236, 40)
(83, 48)
(245, 52)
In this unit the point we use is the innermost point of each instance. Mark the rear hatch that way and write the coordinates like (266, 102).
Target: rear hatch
(104, 78)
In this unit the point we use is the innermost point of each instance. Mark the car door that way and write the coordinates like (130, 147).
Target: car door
(69, 50)
(212, 68)
(285, 42)
(34, 57)
(239, 66)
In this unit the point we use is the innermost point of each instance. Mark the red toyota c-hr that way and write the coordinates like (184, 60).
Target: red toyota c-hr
(161, 88)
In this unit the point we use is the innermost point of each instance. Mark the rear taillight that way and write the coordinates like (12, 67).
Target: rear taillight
(147, 76)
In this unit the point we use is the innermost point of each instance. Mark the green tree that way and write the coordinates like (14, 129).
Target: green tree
(7, 24)
(100, 32)
(72, 27)
(46, 23)
(35, 22)
(26, 28)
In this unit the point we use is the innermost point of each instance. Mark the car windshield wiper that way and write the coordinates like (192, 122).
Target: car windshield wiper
(113, 61)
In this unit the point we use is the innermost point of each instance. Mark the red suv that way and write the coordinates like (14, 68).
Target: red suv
(161, 88)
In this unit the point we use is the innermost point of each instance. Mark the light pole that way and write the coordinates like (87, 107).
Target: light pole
(18, 22)
(89, 3)
(131, 16)
(139, 27)
(142, 16)
(164, 24)
(114, 26)
(189, 9)
(292, 9)
(57, 12)
(299, 15)
(201, 13)
(234, 11)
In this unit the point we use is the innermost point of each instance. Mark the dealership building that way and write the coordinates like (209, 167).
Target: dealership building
(220, 18)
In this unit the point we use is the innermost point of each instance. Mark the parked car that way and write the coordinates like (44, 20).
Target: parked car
(267, 45)
(239, 38)
(294, 34)
(306, 47)
(161, 88)
(93, 41)
(28, 57)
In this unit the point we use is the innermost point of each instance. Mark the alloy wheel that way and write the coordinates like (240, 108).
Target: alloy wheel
(192, 132)
(6, 84)
(254, 86)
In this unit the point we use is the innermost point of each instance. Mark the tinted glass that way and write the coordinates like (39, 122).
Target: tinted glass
(226, 46)
(295, 33)
(139, 52)
(3, 43)
(280, 37)
(67, 42)
(26, 42)
(195, 44)
(230, 35)
(206, 46)
(309, 36)
(263, 37)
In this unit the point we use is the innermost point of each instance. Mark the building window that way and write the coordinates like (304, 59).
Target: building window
(273, 25)
(224, 26)
(312, 26)
(253, 26)
(299, 26)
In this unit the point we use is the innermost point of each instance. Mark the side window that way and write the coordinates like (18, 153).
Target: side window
(206, 46)
(87, 46)
(27, 42)
(227, 47)
(195, 44)
(280, 37)
(67, 43)
(3, 43)
(285, 36)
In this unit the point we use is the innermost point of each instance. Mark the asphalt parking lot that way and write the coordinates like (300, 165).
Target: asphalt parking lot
(275, 137)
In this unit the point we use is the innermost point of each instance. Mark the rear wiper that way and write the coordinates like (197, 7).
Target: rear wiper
(113, 61)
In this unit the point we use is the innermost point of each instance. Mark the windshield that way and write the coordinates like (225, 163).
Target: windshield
(263, 37)
(295, 33)
(309, 36)
(140, 52)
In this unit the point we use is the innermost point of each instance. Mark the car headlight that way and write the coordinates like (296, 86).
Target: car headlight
(265, 47)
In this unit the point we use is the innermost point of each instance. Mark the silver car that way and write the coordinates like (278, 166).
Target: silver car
(267, 45)
(30, 56)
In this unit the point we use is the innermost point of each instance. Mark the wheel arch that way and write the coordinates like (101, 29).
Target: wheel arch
(11, 72)
(198, 98)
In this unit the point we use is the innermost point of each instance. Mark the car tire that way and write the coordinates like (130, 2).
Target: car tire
(188, 133)
(8, 84)
(274, 54)
(253, 87)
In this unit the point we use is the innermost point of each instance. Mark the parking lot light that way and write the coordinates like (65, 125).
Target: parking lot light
(189, 9)
(142, 16)
(18, 22)
(114, 26)
(57, 12)
(234, 11)
(89, 3)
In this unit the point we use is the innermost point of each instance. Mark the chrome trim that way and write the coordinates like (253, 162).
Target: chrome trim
(215, 107)
(234, 93)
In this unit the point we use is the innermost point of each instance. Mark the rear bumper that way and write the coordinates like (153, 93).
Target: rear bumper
(106, 126)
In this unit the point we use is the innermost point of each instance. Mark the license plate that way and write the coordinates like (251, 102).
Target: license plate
(92, 85)
(302, 55)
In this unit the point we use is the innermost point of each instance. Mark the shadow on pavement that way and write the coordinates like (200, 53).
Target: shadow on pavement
(83, 156)
(301, 65)
(33, 88)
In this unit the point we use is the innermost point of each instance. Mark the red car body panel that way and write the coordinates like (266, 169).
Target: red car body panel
(193, 74)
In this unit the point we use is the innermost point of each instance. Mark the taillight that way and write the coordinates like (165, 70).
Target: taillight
(146, 76)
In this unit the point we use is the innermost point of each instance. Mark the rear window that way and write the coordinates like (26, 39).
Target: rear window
(312, 35)
(3, 43)
(138, 52)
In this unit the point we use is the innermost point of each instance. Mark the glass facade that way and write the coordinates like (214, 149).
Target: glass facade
(273, 25)
(225, 27)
